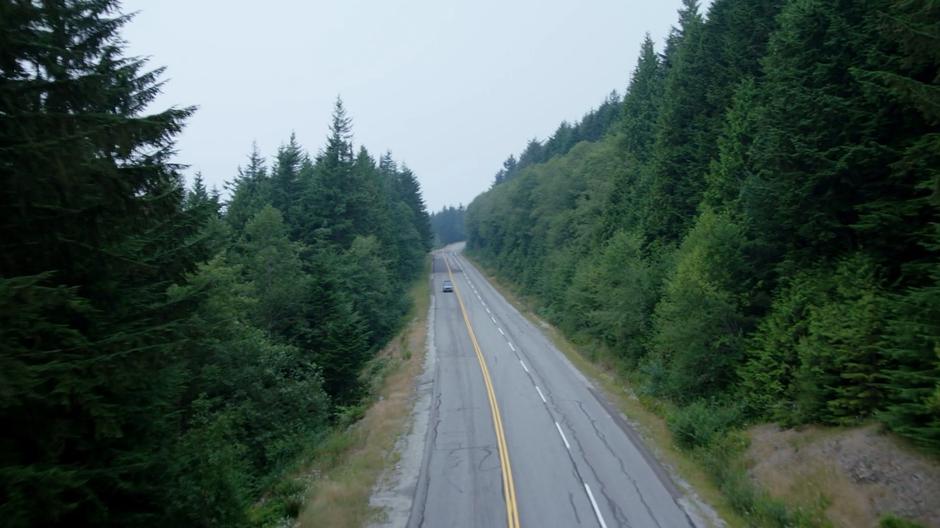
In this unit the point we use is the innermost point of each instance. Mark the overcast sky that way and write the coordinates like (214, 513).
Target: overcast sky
(451, 88)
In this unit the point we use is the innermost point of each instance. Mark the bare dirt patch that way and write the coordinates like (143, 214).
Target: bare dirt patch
(857, 475)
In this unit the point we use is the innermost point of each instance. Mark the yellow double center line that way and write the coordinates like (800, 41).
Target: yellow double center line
(509, 490)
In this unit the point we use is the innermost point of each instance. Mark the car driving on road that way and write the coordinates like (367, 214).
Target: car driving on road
(447, 286)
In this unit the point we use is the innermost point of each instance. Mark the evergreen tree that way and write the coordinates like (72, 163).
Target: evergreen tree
(250, 191)
(286, 182)
(699, 325)
(409, 193)
(94, 232)
(272, 266)
(640, 114)
(336, 337)
(327, 197)
(641, 104)
(679, 151)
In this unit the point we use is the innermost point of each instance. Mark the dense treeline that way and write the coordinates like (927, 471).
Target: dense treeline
(163, 357)
(757, 237)
(448, 225)
(592, 127)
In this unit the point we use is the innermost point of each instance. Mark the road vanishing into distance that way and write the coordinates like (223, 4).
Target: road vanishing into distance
(517, 436)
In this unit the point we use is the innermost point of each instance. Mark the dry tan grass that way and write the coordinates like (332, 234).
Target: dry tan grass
(856, 474)
(339, 494)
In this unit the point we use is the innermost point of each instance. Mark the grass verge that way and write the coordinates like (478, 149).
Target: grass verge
(352, 460)
(334, 486)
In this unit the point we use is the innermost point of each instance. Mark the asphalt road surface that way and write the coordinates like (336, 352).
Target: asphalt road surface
(517, 436)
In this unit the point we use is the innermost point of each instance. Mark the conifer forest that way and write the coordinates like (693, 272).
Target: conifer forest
(749, 232)
(755, 236)
(165, 355)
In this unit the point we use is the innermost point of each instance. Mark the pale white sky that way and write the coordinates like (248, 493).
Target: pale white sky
(451, 88)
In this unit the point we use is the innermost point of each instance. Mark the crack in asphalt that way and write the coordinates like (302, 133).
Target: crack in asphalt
(614, 507)
(623, 466)
(556, 413)
(430, 442)
(573, 507)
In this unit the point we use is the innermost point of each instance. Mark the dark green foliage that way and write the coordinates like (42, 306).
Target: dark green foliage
(640, 114)
(448, 225)
(912, 379)
(761, 225)
(699, 324)
(250, 191)
(890, 521)
(680, 147)
(706, 64)
(592, 127)
(93, 231)
(612, 297)
(164, 359)
(701, 423)
(816, 355)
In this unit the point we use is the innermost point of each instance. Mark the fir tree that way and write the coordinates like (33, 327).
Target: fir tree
(94, 232)
(250, 190)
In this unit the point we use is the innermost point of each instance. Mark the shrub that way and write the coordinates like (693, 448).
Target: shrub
(701, 423)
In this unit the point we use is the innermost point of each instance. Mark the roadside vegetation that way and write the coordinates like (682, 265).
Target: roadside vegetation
(754, 237)
(165, 359)
(344, 470)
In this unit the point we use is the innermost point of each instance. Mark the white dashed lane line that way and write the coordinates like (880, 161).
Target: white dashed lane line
(597, 512)
(563, 439)
(540, 394)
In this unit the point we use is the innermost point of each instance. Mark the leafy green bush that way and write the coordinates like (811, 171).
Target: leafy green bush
(700, 423)
(699, 324)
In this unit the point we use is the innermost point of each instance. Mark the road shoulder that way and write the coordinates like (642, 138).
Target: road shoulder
(692, 488)
(352, 463)
(397, 488)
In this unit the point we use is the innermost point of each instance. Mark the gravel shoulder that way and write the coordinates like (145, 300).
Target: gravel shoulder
(396, 489)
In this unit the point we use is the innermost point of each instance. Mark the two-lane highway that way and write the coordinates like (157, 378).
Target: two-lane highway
(517, 436)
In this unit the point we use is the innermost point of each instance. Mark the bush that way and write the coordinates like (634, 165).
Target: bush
(699, 324)
(701, 423)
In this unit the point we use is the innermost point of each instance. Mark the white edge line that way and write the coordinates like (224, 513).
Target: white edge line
(597, 512)
(563, 439)
(523, 366)
(540, 394)
(512, 347)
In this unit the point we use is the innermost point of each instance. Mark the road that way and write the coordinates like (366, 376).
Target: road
(517, 436)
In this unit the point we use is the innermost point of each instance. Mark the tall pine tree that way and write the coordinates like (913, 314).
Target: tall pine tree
(94, 232)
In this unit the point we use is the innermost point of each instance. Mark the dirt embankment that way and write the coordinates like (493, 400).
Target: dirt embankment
(856, 475)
